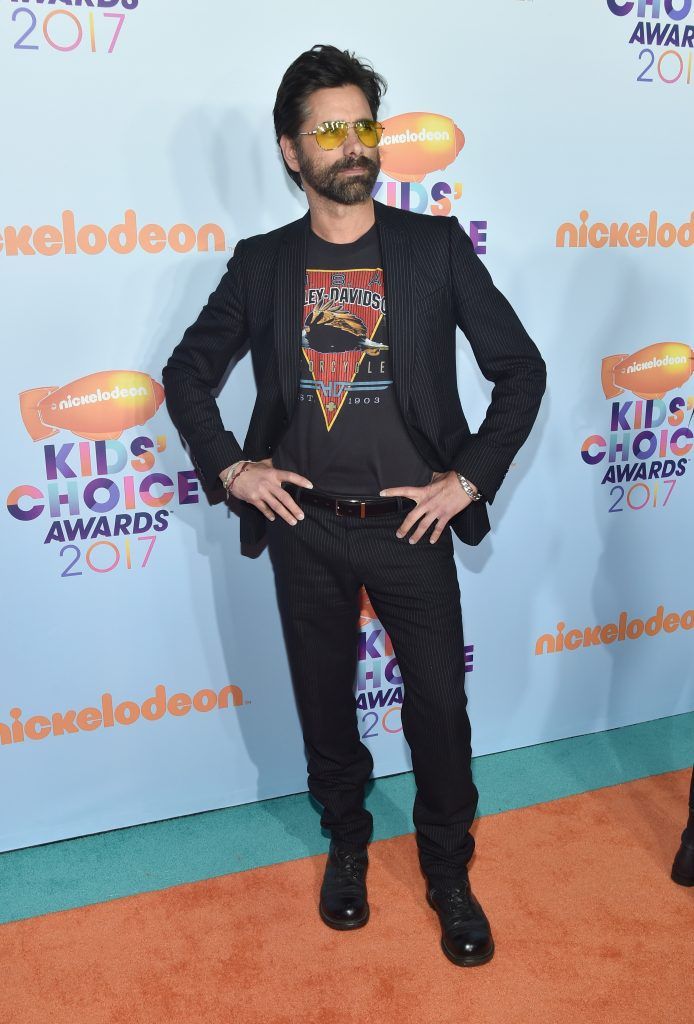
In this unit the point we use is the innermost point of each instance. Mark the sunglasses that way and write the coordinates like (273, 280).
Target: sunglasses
(331, 134)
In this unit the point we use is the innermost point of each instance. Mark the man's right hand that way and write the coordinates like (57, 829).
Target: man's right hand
(260, 484)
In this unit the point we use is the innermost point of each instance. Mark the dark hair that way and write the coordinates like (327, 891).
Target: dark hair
(321, 67)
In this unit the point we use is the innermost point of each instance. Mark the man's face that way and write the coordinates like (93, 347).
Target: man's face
(344, 175)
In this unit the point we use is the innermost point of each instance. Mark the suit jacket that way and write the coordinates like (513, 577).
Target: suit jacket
(434, 281)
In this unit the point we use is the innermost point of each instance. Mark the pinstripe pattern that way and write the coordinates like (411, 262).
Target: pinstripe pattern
(289, 306)
(319, 566)
(434, 281)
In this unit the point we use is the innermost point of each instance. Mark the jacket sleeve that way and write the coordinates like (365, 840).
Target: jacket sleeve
(506, 355)
(197, 365)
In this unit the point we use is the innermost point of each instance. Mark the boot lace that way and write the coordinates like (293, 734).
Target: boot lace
(349, 866)
(455, 902)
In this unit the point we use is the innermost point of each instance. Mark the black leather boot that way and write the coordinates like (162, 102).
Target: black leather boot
(683, 866)
(466, 937)
(343, 902)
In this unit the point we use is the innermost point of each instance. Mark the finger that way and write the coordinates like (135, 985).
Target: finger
(291, 506)
(441, 524)
(265, 509)
(282, 511)
(406, 492)
(294, 478)
(424, 525)
(410, 520)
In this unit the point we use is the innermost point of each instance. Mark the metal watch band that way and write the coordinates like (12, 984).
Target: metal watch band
(467, 487)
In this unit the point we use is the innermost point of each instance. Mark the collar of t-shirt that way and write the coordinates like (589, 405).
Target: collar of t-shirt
(365, 241)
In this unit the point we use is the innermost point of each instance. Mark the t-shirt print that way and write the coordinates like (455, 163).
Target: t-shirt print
(344, 329)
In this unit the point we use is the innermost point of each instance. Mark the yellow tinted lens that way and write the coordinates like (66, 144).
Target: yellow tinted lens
(368, 132)
(331, 134)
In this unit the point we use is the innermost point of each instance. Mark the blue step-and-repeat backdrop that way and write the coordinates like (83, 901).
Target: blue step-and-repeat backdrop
(144, 673)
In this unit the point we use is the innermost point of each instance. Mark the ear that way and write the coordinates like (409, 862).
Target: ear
(288, 147)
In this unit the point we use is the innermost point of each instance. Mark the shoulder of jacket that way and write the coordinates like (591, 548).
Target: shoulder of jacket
(266, 241)
(409, 220)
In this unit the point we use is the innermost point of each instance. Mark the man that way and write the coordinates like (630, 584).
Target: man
(358, 464)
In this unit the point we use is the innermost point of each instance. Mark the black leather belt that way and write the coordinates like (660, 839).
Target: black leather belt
(361, 508)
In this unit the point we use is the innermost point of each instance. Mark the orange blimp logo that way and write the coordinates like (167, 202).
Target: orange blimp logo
(649, 373)
(413, 145)
(98, 407)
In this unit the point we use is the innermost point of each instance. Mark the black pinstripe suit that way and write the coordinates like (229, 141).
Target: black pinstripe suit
(434, 281)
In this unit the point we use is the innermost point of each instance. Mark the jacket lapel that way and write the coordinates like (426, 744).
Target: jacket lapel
(288, 303)
(400, 286)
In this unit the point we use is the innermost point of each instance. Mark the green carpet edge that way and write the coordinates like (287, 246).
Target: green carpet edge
(145, 858)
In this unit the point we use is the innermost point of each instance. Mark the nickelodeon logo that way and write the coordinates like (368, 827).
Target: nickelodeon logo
(123, 238)
(624, 235)
(624, 629)
(98, 407)
(60, 723)
(413, 145)
(649, 373)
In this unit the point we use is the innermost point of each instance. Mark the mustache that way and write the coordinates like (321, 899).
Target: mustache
(347, 164)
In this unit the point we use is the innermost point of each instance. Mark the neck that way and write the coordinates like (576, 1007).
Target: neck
(335, 222)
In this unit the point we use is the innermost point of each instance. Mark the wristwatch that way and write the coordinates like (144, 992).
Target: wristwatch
(467, 487)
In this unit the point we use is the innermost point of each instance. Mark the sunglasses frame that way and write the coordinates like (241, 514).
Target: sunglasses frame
(320, 129)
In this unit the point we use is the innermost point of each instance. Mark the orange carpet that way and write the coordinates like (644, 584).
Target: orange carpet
(588, 928)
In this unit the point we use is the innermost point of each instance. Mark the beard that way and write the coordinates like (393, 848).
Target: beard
(328, 182)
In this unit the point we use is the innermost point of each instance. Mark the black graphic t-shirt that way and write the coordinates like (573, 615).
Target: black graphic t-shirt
(347, 434)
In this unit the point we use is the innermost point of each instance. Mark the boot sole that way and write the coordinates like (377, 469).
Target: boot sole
(463, 961)
(343, 926)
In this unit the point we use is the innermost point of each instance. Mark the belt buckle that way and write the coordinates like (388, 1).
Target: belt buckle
(362, 507)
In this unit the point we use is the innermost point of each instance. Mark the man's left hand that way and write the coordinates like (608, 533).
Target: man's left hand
(437, 502)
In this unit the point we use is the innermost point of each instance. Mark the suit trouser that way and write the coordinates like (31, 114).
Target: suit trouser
(319, 567)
